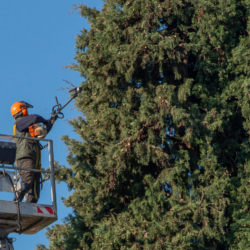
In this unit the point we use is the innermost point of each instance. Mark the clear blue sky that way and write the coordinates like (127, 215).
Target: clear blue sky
(37, 40)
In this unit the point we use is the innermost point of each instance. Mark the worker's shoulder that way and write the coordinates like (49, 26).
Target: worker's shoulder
(28, 118)
(33, 115)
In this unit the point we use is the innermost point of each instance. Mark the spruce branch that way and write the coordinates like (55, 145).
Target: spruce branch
(202, 197)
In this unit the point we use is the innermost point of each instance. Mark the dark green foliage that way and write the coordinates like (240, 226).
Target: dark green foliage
(164, 158)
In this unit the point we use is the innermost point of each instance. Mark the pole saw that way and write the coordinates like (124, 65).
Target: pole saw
(57, 109)
(40, 131)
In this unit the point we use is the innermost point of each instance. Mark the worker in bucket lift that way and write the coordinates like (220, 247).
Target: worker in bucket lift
(28, 154)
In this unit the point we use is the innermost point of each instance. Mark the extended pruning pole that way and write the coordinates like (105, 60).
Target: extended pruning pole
(57, 109)
(40, 131)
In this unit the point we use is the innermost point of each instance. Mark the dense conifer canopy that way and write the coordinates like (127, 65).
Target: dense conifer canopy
(163, 160)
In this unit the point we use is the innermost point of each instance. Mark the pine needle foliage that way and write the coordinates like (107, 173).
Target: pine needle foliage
(164, 157)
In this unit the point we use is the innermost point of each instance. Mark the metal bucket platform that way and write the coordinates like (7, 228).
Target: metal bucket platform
(30, 216)
(34, 217)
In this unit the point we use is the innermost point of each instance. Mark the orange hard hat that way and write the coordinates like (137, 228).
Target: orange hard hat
(20, 108)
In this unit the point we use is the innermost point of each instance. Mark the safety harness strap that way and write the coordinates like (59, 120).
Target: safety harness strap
(14, 130)
(14, 133)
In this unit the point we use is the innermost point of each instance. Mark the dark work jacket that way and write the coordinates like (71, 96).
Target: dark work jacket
(27, 148)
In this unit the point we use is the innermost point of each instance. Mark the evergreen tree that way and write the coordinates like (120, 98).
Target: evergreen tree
(163, 161)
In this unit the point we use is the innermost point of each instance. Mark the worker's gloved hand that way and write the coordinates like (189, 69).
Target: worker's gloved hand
(52, 120)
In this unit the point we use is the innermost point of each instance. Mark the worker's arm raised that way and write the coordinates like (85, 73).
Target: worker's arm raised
(23, 124)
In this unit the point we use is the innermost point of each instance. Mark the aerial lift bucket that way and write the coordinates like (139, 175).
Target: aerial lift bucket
(22, 217)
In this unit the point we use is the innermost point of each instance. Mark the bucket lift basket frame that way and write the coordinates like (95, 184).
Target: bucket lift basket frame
(34, 217)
